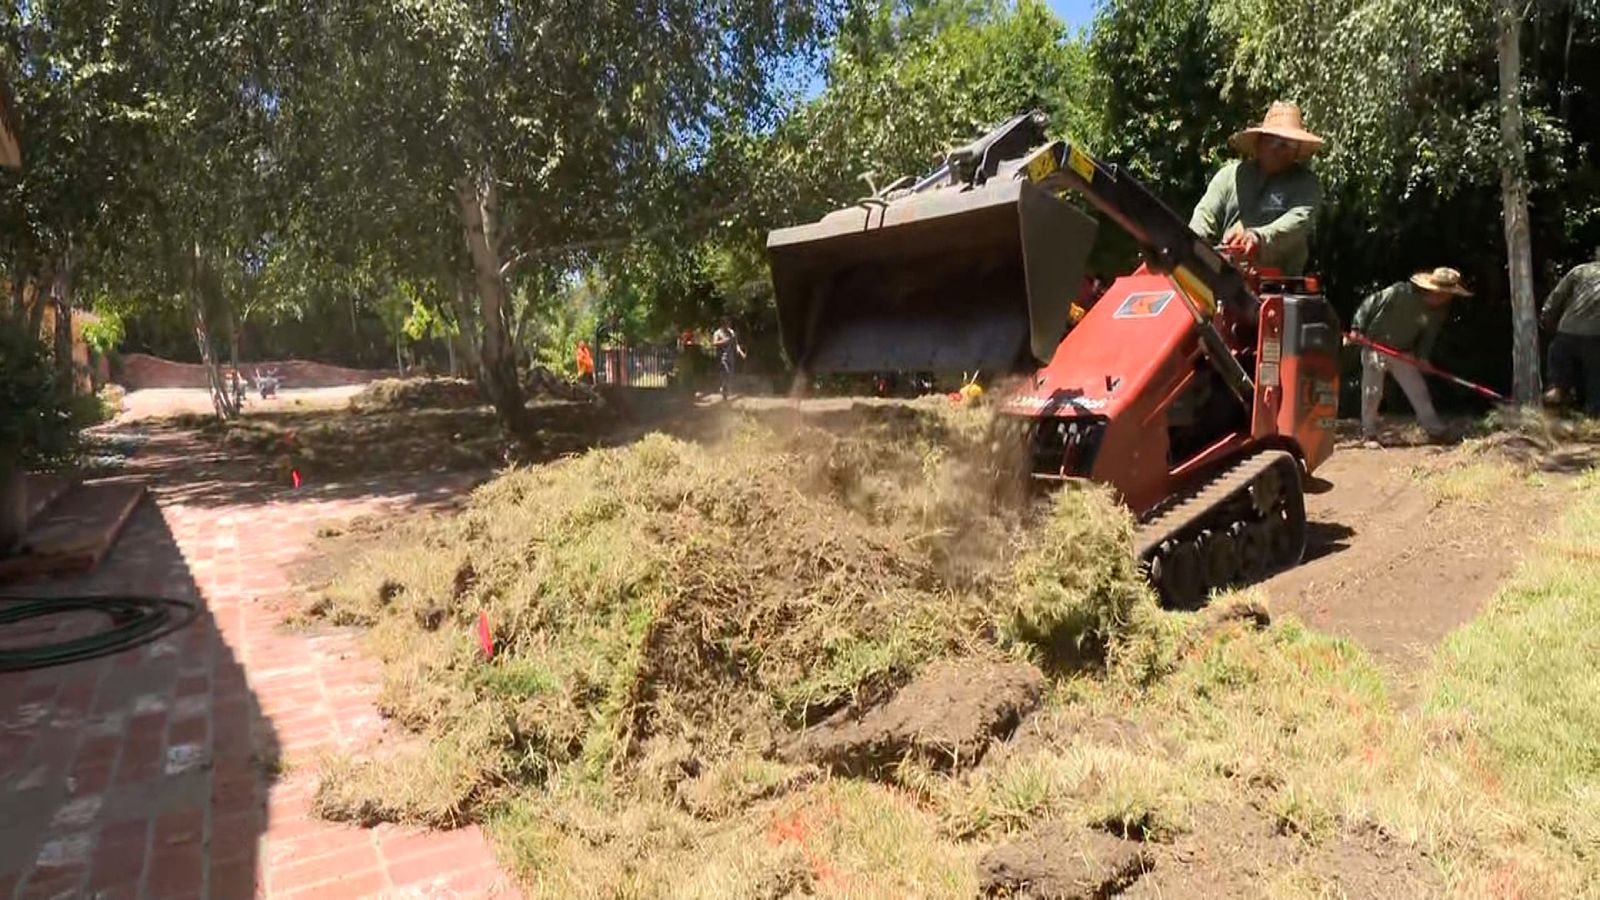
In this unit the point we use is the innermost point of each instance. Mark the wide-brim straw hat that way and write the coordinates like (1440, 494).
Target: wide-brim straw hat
(1444, 280)
(1282, 120)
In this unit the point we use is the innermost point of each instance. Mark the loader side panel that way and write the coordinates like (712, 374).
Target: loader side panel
(1122, 366)
(1297, 374)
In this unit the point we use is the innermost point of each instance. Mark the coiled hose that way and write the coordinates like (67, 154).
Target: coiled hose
(135, 621)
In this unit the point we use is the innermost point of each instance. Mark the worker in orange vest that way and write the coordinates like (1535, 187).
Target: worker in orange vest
(585, 363)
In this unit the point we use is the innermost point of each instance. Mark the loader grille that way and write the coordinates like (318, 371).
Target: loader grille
(1066, 447)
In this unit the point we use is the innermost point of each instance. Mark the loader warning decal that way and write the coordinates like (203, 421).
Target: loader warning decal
(1143, 305)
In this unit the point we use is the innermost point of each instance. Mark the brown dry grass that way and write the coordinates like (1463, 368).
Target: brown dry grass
(667, 612)
(706, 598)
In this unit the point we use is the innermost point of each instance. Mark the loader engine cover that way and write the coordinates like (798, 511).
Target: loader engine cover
(955, 278)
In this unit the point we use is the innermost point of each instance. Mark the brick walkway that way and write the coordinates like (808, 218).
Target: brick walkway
(150, 774)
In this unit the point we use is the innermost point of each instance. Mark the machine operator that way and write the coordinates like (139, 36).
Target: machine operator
(1263, 206)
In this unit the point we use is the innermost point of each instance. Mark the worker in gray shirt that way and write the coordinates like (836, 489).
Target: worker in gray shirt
(1572, 311)
(1264, 205)
(1406, 316)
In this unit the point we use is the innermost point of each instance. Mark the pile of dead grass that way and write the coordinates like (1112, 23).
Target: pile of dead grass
(698, 602)
(416, 393)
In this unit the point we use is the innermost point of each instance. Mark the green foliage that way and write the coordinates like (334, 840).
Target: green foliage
(38, 422)
(104, 332)
(893, 110)
(1163, 96)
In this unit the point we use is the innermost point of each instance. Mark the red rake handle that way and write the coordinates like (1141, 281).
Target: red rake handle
(1365, 341)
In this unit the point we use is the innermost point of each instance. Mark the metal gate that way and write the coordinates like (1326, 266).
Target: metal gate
(648, 366)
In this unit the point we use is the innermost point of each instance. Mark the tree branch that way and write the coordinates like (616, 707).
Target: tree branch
(608, 243)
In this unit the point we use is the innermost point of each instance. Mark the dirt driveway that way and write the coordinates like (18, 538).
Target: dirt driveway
(1399, 557)
(156, 402)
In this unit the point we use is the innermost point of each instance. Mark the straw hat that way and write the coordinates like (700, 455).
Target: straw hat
(1282, 120)
(1444, 280)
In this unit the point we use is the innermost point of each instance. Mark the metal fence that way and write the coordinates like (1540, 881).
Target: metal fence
(649, 366)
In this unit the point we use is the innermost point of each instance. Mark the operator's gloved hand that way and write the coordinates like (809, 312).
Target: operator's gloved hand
(1243, 242)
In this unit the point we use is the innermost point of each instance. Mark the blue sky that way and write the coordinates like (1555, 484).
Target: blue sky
(1076, 12)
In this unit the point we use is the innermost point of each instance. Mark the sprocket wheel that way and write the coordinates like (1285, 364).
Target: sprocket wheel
(1255, 550)
(1221, 556)
(1280, 539)
(1182, 576)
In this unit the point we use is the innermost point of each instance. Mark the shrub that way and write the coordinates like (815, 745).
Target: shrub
(38, 425)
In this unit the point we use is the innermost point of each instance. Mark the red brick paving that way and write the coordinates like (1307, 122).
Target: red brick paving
(144, 775)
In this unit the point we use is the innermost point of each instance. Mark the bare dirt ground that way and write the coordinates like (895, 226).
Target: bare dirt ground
(1396, 567)
(158, 402)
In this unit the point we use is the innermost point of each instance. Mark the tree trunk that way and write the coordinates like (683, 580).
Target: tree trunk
(399, 361)
(19, 288)
(36, 311)
(1514, 201)
(466, 327)
(61, 297)
(233, 339)
(221, 399)
(450, 353)
(476, 196)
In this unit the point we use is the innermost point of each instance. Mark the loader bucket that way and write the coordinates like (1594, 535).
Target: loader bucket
(945, 280)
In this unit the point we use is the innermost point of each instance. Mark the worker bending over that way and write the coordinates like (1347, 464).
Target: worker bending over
(1264, 206)
(1406, 316)
(1573, 311)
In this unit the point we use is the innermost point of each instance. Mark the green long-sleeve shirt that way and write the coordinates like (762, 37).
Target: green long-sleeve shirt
(1574, 306)
(1401, 317)
(1281, 210)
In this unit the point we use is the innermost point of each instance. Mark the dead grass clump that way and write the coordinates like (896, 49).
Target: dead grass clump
(390, 394)
(1078, 587)
(712, 594)
(717, 596)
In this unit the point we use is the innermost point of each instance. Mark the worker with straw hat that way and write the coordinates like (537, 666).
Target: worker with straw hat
(1406, 316)
(1264, 205)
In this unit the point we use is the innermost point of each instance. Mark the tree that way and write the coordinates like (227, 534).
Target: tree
(1424, 147)
(1514, 189)
(904, 82)
(1164, 98)
(533, 138)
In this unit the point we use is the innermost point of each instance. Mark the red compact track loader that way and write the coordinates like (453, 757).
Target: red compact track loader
(1201, 389)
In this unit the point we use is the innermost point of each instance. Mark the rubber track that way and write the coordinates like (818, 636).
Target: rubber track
(1195, 505)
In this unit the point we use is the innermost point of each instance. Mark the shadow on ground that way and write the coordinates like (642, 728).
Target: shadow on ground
(139, 774)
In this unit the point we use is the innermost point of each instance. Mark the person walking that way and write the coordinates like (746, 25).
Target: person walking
(1406, 316)
(725, 341)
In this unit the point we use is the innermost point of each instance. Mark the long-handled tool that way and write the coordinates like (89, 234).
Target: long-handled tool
(1365, 341)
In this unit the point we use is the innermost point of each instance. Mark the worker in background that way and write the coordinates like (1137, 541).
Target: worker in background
(726, 343)
(1406, 316)
(1263, 206)
(585, 363)
(1572, 311)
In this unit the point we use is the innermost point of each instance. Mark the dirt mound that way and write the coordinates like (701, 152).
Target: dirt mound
(710, 596)
(1063, 862)
(1233, 845)
(944, 719)
(416, 393)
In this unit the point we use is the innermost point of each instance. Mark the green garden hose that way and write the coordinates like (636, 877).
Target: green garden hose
(134, 621)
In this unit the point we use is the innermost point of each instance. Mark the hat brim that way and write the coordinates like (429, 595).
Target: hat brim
(1422, 280)
(1245, 141)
